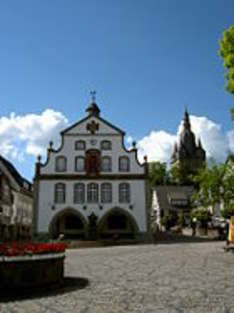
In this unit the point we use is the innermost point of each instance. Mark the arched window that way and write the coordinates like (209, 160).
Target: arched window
(106, 145)
(60, 164)
(124, 193)
(80, 145)
(59, 194)
(106, 193)
(124, 164)
(106, 164)
(92, 195)
(79, 164)
(79, 193)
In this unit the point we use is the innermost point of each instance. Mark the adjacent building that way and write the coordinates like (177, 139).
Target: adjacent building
(16, 204)
(189, 156)
(170, 199)
(91, 186)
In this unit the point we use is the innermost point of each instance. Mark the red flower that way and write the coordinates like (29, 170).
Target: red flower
(20, 249)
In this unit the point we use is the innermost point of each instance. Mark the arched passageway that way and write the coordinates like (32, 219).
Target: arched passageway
(70, 223)
(117, 223)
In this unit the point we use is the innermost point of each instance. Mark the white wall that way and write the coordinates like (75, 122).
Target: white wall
(79, 132)
(46, 201)
(23, 208)
(155, 208)
(70, 153)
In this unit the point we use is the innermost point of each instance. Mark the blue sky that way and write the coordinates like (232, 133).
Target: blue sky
(147, 60)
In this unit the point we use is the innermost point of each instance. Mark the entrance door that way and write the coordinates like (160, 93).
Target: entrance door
(93, 162)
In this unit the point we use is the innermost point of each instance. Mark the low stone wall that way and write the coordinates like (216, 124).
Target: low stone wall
(31, 271)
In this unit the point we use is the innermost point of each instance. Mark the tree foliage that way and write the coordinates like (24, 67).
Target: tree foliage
(158, 174)
(227, 53)
(169, 220)
(202, 216)
(180, 174)
(216, 185)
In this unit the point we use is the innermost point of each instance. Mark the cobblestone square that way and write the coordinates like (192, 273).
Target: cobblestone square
(185, 277)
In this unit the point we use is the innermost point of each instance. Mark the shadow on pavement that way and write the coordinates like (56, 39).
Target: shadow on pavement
(69, 284)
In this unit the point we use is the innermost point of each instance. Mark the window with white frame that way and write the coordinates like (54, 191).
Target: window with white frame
(60, 164)
(79, 164)
(124, 193)
(80, 145)
(124, 164)
(106, 164)
(92, 193)
(106, 193)
(59, 194)
(79, 193)
(106, 145)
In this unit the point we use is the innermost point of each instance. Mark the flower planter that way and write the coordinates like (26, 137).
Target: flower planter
(31, 271)
(31, 265)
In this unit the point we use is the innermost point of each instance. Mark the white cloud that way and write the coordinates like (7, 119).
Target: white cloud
(129, 141)
(231, 140)
(30, 134)
(158, 145)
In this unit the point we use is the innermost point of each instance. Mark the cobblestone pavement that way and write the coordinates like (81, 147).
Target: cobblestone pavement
(194, 277)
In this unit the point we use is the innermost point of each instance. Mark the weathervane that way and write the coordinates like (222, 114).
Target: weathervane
(93, 95)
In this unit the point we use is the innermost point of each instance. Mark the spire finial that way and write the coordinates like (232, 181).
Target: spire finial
(186, 119)
(93, 95)
(199, 142)
(93, 109)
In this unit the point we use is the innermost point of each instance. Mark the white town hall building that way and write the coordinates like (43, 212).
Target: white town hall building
(92, 187)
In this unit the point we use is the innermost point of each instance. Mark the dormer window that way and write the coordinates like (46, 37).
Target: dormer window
(80, 145)
(106, 145)
(60, 164)
(124, 164)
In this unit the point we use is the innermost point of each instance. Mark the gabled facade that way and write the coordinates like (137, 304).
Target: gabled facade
(170, 199)
(91, 187)
(6, 206)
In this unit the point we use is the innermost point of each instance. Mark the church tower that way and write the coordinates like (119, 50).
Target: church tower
(187, 152)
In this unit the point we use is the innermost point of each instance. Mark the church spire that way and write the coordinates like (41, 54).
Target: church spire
(187, 124)
(93, 109)
(200, 143)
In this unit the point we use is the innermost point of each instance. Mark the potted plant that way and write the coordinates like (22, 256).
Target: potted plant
(31, 264)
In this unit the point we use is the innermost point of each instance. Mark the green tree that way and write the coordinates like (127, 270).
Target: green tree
(202, 216)
(227, 53)
(169, 220)
(228, 188)
(180, 174)
(216, 185)
(158, 174)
